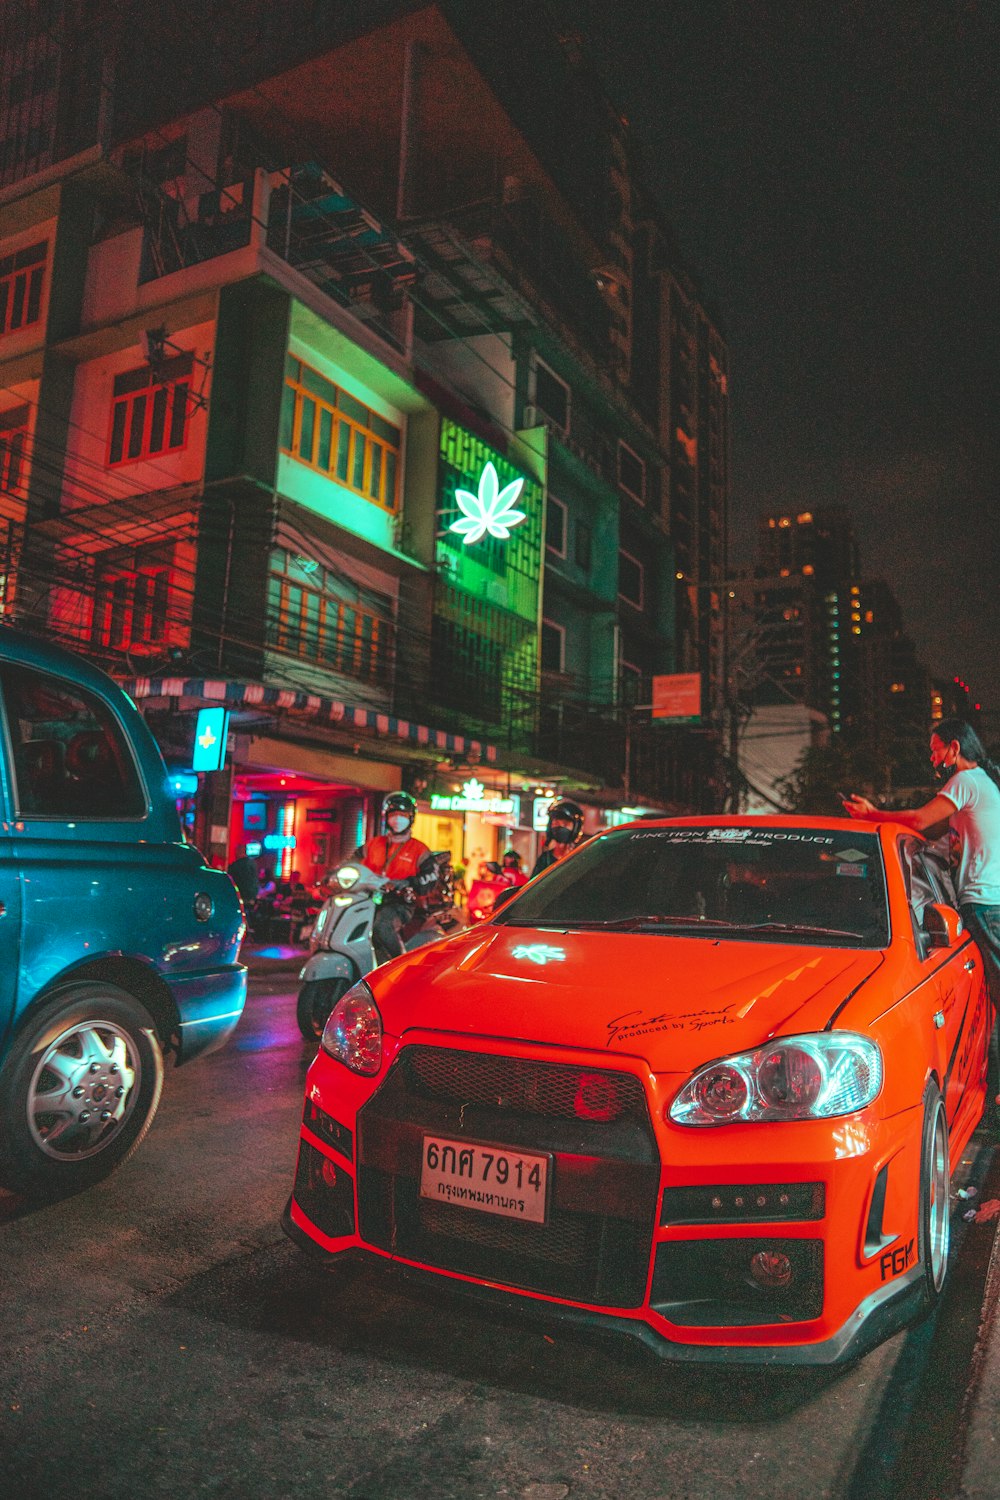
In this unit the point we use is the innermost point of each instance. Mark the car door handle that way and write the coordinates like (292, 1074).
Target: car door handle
(970, 965)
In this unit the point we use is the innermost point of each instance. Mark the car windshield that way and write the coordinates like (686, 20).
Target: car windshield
(813, 885)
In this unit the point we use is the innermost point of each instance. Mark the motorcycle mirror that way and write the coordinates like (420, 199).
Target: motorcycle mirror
(493, 867)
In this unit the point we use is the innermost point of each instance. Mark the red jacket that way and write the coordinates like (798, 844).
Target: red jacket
(397, 861)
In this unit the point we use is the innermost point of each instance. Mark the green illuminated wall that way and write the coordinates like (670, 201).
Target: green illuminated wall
(485, 638)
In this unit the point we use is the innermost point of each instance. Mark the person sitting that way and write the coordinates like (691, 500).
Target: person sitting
(510, 870)
(562, 835)
(397, 855)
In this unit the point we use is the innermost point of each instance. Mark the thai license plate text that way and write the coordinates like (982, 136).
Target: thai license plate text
(493, 1179)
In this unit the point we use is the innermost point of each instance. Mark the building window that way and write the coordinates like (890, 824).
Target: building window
(13, 452)
(149, 412)
(316, 614)
(555, 526)
(22, 276)
(583, 546)
(631, 473)
(328, 429)
(131, 603)
(553, 647)
(631, 579)
(552, 396)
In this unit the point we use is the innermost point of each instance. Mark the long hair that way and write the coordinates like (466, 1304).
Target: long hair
(969, 744)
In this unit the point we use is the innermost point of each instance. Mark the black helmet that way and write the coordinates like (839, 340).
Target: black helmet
(511, 857)
(567, 812)
(398, 802)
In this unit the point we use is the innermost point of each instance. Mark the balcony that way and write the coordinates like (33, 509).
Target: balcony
(497, 264)
(299, 214)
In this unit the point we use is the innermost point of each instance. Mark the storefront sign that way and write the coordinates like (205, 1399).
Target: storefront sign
(540, 813)
(210, 735)
(677, 695)
(473, 798)
(279, 841)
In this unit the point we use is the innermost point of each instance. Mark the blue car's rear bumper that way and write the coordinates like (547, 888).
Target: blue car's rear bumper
(209, 1006)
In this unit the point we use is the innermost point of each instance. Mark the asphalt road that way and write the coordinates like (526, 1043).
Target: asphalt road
(159, 1335)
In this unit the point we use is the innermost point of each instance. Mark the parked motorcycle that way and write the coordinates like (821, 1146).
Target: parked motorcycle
(342, 948)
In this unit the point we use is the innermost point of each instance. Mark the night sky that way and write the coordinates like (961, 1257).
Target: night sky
(832, 172)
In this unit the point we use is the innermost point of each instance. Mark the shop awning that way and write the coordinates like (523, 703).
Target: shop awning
(318, 710)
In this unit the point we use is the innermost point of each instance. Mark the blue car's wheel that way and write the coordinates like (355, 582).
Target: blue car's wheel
(78, 1091)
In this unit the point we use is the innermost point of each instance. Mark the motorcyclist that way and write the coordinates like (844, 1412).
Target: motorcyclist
(511, 872)
(562, 835)
(397, 855)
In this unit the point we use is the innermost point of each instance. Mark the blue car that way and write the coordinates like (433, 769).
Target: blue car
(118, 945)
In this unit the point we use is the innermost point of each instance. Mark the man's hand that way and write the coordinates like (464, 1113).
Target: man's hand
(857, 807)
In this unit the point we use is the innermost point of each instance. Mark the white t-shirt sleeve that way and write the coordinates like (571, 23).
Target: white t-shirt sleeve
(962, 790)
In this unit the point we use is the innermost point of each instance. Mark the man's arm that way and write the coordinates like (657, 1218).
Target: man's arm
(938, 810)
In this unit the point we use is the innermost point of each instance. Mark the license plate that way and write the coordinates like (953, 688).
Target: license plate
(493, 1179)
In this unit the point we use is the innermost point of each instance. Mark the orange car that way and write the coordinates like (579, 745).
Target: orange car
(704, 1081)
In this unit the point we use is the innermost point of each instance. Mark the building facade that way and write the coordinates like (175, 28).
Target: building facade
(392, 471)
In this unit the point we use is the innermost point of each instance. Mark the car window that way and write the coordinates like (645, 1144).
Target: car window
(927, 870)
(71, 758)
(813, 885)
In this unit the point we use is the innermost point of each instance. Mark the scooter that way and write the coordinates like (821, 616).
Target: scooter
(342, 948)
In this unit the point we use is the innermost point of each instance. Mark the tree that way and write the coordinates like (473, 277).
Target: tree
(825, 773)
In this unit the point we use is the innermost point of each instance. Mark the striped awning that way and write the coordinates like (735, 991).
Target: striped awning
(318, 710)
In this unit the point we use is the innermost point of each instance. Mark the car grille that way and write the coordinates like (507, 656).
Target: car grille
(604, 1172)
(527, 1087)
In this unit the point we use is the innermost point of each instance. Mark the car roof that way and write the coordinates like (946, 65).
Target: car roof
(22, 649)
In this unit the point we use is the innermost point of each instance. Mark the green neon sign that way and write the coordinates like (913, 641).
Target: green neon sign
(490, 510)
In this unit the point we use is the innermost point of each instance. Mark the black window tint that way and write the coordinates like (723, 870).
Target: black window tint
(773, 885)
(71, 759)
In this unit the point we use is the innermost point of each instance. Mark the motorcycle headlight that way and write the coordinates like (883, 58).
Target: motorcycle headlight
(353, 1032)
(347, 876)
(795, 1078)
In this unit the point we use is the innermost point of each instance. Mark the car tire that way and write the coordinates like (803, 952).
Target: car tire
(78, 1091)
(934, 1227)
(317, 997)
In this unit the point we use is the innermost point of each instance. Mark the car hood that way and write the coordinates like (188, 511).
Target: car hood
(673, 1001)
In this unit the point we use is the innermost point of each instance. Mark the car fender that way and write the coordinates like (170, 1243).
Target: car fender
(328, 966)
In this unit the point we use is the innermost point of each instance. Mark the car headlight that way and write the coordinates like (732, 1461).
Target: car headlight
(353, 1032)
(795, 1078)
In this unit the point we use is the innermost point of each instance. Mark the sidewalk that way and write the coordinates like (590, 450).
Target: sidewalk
(981, 1446)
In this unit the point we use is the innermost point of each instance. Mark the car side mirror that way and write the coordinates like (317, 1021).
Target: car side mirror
(942, 926)
(502, 897)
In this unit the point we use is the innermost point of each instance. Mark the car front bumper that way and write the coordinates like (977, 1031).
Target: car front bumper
(630, 1244)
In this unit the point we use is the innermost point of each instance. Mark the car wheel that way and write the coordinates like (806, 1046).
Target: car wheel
(317, 997)
(935, 1203)
(78, 1091)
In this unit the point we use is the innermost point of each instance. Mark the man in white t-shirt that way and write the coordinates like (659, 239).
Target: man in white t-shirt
(970, 802)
